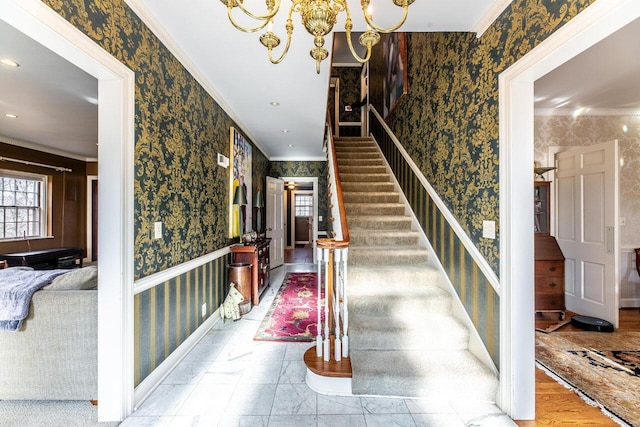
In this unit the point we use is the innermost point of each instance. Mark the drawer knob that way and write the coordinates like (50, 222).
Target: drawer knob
(552, 284)
(552, 268)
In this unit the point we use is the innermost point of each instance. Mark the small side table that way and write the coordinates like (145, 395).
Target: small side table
(256, 254)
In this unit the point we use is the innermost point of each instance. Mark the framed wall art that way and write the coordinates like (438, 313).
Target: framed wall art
(395, 79)
(240, 196)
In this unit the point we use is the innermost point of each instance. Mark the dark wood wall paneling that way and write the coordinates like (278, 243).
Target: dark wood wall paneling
(68, 201)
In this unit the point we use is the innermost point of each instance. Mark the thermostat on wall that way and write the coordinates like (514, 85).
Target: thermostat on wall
(223, 161)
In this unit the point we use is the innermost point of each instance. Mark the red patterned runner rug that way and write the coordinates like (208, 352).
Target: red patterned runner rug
(293, 316)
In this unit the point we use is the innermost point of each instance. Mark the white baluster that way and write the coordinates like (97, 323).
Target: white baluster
(345, 316)
(319, 305)
(327, 342)
(337, 347)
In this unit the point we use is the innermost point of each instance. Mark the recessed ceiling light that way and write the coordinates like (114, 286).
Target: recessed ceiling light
(9, 62)
(274, 103)
(11, 116)
(285, 130)
(290, 145)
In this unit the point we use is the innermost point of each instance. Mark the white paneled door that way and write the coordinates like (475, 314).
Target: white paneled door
(587, 228)
(275, 220)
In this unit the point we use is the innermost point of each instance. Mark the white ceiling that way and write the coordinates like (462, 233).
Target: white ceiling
(49, 95)
(56, 102)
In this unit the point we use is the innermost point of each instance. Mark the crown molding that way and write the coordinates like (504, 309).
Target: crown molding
(45, 149)
(297, 159)
(165, 37)
(589, 112)
(485, 21)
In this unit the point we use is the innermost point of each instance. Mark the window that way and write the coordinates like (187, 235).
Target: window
(304, 203)
(22, 205)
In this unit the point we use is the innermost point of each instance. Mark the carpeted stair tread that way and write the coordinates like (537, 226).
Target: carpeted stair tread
(382, 304)
(367, 186)
(397, 275)
(383, 237)
(356, 155)
(370, 197)
(418, 331)
(376, 222)
(364, 177)
(348, 169)
(374, 209)
(361, 162)
(380, 255)
(447, 375)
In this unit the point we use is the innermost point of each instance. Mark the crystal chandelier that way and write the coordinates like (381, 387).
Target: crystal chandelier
(318, 17)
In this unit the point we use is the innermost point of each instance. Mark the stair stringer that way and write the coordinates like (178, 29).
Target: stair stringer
(476, 345)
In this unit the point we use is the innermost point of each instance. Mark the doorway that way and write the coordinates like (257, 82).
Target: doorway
(301, 222)
(116, 137)
(516, 104)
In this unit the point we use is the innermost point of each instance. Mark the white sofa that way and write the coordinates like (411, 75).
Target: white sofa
(54, 356)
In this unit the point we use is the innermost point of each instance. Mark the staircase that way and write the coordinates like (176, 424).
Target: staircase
(404, 340)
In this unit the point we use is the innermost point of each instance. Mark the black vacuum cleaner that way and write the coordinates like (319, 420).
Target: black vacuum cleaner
(591, 324)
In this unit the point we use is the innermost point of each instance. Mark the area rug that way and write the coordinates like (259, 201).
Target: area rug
(293, 316)
(605, 367)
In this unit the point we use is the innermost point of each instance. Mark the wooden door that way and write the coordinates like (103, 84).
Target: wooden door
(275, 220)
(587, 212)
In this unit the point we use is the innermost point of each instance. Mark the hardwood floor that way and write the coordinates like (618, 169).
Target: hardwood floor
(298, 256)
(557, 406)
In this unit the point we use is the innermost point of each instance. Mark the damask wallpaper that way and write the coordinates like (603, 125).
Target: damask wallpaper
(588, 130)
(179, 129)
(448, 121)
(349, 91)
(307, 169)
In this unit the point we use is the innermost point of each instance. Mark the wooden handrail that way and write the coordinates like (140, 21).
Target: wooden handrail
(330, 243)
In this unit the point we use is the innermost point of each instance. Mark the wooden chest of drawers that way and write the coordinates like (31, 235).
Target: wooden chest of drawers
(256, 254)
(549, 274)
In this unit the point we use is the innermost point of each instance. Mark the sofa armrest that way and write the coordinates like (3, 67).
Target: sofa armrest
(54, 356)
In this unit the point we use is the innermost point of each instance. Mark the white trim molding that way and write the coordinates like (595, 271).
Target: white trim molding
(516, 111)
(116, 88)
(576, 112)
(485, 21)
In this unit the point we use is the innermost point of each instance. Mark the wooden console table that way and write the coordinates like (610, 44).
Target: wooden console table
(51, 257)
(256, 254)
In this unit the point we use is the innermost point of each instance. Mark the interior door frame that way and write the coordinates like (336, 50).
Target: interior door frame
(516, 112)
(89, 236)
(116, 119)
(292, 206)
(314, 181)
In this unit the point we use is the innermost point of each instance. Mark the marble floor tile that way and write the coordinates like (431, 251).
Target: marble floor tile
(437, 420)
(384, 405)
(165, 400)
(389, 420)
(147, 421)
(292, 372)
(429, 406)
(341, 421)
(186, 373)
(244, 421)
(207, 399)
(339, 405)
(294, 399)
(293, 421)
(252, 399)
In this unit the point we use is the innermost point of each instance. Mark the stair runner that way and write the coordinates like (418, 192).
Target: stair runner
(403, 339)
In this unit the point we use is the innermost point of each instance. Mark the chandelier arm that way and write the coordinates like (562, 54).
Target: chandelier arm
(284, 52)
(405, 12)
(354, 53)
(270, 14)
(241, 28)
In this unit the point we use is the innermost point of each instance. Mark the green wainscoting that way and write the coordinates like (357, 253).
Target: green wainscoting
(166, 314)
(474, 290)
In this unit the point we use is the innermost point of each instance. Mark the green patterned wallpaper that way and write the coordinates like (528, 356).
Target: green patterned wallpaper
(349, 91)
(307, 169)
(179, 129)
(448, 121)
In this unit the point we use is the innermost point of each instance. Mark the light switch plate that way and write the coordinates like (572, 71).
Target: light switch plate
(157, 230)
(489, 229)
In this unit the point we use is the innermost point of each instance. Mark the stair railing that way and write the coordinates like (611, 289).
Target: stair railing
(332, 269)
